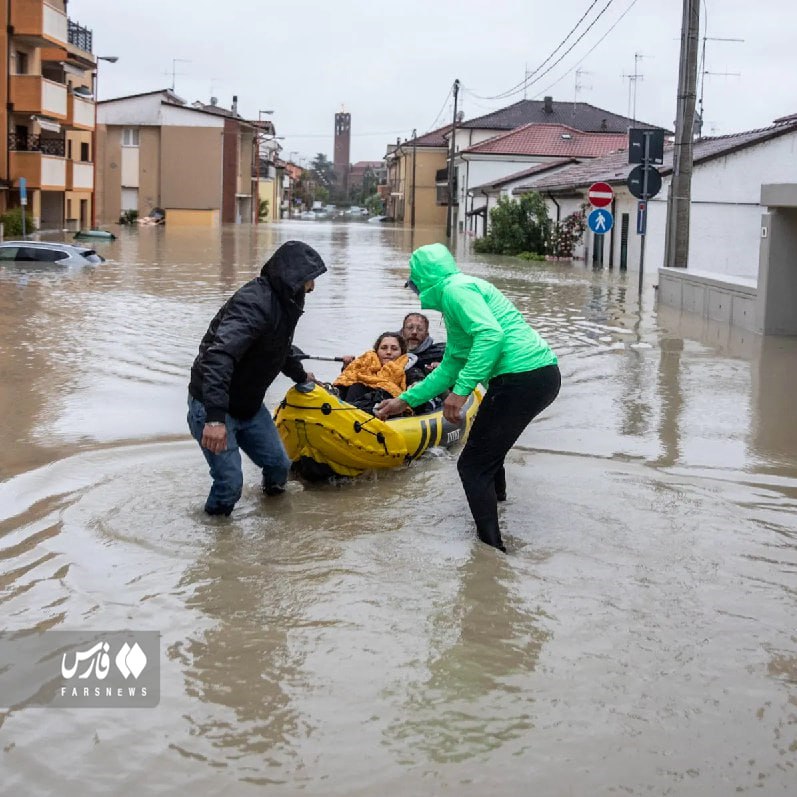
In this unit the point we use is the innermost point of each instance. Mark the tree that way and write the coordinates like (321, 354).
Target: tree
(323, 170)
(517, 226)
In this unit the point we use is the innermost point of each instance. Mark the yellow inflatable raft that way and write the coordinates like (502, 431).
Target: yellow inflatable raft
(325, 436)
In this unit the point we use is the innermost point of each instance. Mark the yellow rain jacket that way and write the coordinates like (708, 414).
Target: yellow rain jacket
(368, 370)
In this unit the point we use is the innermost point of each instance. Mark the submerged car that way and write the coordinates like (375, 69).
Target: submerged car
(47, 252)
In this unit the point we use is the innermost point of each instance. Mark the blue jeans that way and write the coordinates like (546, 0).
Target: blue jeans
(259, 440)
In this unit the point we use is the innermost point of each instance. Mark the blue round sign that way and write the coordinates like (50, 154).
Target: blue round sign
(600, 221)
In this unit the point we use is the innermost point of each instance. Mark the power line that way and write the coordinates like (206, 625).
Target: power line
(436, 119)
(532, 80)
(589, 52)
(528, 75)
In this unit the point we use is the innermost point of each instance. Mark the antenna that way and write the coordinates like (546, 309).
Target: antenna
(704, 71)
(176, 61)
(579, 86)
(526, 75)
(632, 86)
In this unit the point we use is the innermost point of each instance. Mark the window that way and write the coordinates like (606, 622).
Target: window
(69, 148)
(129, 136)
(84, 151)
(47, 255)
(22, 63)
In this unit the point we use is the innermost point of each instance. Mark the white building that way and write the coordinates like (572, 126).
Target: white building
(726, 192)
(476, 163)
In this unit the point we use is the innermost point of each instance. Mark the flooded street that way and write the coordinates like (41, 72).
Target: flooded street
(639, 637)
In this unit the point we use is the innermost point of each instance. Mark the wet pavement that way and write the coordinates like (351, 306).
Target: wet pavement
(639, 638)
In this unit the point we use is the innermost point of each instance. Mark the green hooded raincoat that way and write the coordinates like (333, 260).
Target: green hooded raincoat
(486, 334)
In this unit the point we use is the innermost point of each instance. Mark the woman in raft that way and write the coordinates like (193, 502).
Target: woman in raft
(377, 375)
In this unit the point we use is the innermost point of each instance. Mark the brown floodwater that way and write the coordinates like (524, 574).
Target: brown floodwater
(639, 637)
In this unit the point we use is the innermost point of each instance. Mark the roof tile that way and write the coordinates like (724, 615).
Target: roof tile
(554, 141)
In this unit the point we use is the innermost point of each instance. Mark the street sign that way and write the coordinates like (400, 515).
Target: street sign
(636, 181)
(23, 191)
(636, 145)
(600, 221)
(641, 217)
(600, 195)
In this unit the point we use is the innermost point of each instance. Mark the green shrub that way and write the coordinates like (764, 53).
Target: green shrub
(12, 223)
(516, 226)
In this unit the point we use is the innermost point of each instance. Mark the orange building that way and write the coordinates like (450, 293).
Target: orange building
(47, 74)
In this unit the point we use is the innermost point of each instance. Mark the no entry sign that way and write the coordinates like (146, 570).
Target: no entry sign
(600, 195)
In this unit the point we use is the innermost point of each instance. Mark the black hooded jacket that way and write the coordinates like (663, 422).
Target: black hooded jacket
(248, 342)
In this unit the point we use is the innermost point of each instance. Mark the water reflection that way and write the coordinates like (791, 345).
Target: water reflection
(239, 671)
(485, 644)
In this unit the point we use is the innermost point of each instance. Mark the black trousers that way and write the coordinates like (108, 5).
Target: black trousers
(510, 404)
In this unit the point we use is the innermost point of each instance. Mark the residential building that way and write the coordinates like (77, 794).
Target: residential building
(726, 211)
(196, 162)
(527, 146)
(47, 73)
(361, 169)
(405, 184)
(721, 277)
(578, 116)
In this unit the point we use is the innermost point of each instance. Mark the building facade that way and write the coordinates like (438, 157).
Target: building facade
(196, 162)
(412, 178)
(47, 83)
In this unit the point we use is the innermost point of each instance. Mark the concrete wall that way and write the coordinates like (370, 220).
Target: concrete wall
(190, 167)
(777, 308)
(149, 170)
(192, 218)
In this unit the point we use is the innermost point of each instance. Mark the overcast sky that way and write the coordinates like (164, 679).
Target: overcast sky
(392, 64)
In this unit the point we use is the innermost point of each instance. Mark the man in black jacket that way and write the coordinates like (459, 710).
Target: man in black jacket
(247, 344)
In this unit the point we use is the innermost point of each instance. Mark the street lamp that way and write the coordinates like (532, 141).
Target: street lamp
(111, 59)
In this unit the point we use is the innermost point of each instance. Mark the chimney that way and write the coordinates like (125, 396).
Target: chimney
(234, 105)
(548, 104)
(214, 101)
(604, 126)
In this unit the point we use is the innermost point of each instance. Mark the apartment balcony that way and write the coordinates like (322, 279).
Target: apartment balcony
(37, 95)
(37, 23)
(79, 176)
(79, 113)
(43, 171)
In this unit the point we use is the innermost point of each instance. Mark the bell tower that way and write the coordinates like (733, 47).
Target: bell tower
(341, 160)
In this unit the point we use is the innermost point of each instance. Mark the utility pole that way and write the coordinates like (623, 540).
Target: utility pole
(450, 214)
(676, 252)
(414, 154)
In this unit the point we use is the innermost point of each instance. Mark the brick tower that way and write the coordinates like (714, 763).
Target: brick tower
(342, 157)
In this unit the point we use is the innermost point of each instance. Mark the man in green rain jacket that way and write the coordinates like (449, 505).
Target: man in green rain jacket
(488, 342)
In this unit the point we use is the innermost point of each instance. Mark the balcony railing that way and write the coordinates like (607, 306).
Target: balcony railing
(80, 37)
(47, 146)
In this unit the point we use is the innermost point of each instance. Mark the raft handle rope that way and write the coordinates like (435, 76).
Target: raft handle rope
(327, 409)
